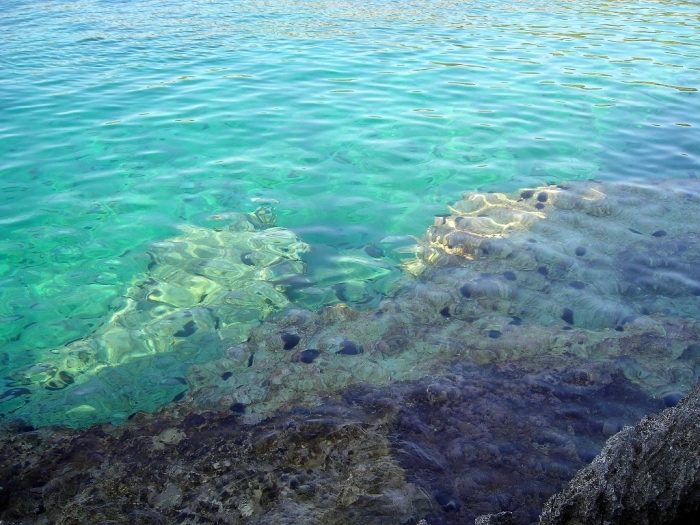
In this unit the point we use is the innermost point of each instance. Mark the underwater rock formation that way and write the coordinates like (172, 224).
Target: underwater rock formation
(646, 474)
(499, 438)
(327, 465)
(502, 277)
(408, 338)
(203, 287)
(589, 254)
(529, 328)
(443, 449)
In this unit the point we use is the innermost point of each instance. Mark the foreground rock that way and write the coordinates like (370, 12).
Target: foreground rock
(649, 474)
(445, 449)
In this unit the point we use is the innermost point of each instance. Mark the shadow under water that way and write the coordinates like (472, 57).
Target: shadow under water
(528, 329)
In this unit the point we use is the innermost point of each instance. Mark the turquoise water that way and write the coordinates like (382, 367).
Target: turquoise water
(358, 121)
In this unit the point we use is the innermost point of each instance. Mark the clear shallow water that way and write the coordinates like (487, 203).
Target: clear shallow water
(121, 121)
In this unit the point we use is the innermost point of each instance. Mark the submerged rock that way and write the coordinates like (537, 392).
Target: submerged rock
(202, 288)
(550, 258)
(331, 464)
(481, 382)
(648, 474)
(444, 449)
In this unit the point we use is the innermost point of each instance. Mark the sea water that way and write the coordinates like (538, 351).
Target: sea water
(354, 123)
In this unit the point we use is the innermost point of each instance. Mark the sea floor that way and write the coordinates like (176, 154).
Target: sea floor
(482, 383)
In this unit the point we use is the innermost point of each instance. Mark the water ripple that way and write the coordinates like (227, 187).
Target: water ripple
(122, 120)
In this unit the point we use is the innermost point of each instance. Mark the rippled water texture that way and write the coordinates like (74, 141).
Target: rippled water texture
(131, 127)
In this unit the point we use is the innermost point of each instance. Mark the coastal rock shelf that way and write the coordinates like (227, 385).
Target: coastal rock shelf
(480, 385)
(445, 449)
(592, 255)
(561, 271)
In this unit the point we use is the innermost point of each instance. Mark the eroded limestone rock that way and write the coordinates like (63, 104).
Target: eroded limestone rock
(648, 474)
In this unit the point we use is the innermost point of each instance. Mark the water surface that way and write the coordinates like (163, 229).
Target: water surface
(358, 121)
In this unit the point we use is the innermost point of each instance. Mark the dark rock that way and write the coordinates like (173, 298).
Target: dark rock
(349, 348)
(692, 352)
(187, 330)
(290, 340)
(649, 474)
(373, 251)
(246, 259)
(672, 399)
(237, 408)
(179, 397)
(15, 392)
(340, 290)
(568, 316)
(308, 356)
